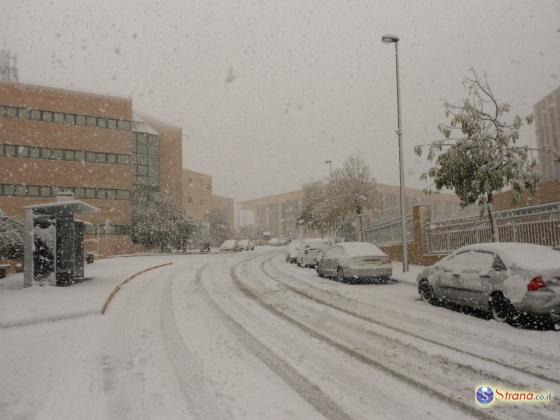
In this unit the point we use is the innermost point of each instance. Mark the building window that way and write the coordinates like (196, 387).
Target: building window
(45, 192)
(90, 192)
(35, 152)
(111, 123)
(59, 117)
(123, 125)
(123, 194)
(69, 155)
(91, 156)
(91, 121)
(79, 155)
(21, 190)
(70, 119)
(80, 192)
(23, 113)
(11, 111)
(102, 122)
(35, 115)
(33, 191)
(10, 150)
(123, 159)
(47, 116)
(80, 120)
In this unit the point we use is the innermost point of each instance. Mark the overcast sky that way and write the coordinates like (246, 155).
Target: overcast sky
(266, 91)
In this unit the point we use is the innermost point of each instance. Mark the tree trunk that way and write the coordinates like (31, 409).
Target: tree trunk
(361, 227)
(492, 218)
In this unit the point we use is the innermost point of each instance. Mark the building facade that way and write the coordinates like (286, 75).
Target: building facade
(55, 140)
(199, 202)
(197, 195)
(547, 129)
(278, 214)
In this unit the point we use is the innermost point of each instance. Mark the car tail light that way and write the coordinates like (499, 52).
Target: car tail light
(535, 284)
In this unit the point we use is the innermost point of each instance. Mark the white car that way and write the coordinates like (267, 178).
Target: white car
(505, 279)
(292, 252)
(229, 246)
(354, 261)
(245, 245)
(309, 250)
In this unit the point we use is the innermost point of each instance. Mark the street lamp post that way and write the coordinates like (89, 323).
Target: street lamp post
(329, 162)
(394, 39)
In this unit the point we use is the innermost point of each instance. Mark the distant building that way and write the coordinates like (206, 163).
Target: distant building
(199, 202)
(93, 145)
(278, 214)
(547, 128)
(8, 66)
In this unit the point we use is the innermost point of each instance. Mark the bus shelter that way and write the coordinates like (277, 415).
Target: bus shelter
(54, 242)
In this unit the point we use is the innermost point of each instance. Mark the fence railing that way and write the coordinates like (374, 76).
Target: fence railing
(536, 224)
(389, 232)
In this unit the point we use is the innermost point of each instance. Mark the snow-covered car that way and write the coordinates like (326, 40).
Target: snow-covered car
(274, 242)
(319, 263)
(283, 241)
(292, 251)
(245, 245)
(354, 261)
(229, 246)
(309, 251)
(505, 279)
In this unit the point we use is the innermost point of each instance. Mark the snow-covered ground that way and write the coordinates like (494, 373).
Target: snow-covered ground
(249, 336)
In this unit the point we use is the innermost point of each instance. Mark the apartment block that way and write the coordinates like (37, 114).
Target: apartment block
(547, 129)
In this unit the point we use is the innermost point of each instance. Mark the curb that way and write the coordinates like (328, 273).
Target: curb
(118, 287)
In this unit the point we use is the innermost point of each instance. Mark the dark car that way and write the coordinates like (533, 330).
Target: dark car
(205, 247)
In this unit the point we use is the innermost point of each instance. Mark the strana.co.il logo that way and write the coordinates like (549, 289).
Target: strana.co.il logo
(487, 395)
(484, 395)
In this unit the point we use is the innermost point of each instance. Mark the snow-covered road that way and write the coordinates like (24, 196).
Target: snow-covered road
(249, 336)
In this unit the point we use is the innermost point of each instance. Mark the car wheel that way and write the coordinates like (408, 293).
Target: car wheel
(427, 292)
(340, 275)
(501, 308)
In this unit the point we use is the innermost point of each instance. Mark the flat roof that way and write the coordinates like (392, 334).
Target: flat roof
(72, 206)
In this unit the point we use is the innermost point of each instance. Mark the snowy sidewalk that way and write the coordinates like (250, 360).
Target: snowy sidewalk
(37, 304)
(408, 278)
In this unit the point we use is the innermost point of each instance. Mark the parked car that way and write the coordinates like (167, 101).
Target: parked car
(292, 251)
(245, 245)
(319, 263)
(505, 279)
(283, 241)
(90, 257)
(205, 247)
(355, 261)
(274, 242)
(309, 251)
(229, 246)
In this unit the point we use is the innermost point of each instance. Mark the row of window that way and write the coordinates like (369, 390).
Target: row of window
(145, 159)
(48, 191)
(64, 118)
(33, 152)
(113, 230)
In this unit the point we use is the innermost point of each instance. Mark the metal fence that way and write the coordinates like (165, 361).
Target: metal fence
(389, 232)
(536, 224)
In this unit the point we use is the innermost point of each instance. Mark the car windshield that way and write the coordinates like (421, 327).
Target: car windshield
(345, 148)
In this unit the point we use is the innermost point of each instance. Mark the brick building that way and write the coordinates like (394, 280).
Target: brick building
(199, 202)
(94, 145)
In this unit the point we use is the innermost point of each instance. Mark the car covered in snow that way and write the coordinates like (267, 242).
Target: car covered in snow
(505, 279)
(245, 245)
(229, 246)
(292, 251)
(355, 261)
(309, 251)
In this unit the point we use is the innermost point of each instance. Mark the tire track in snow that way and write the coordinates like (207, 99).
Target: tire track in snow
(468, 409)
(366, 318)
(301, 385)
(186, 365)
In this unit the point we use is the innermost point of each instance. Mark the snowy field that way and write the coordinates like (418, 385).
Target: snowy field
(231, 336)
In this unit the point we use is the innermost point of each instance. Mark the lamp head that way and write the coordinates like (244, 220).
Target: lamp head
(389, 39)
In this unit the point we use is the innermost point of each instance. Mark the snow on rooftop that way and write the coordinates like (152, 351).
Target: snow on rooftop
(360, 248)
